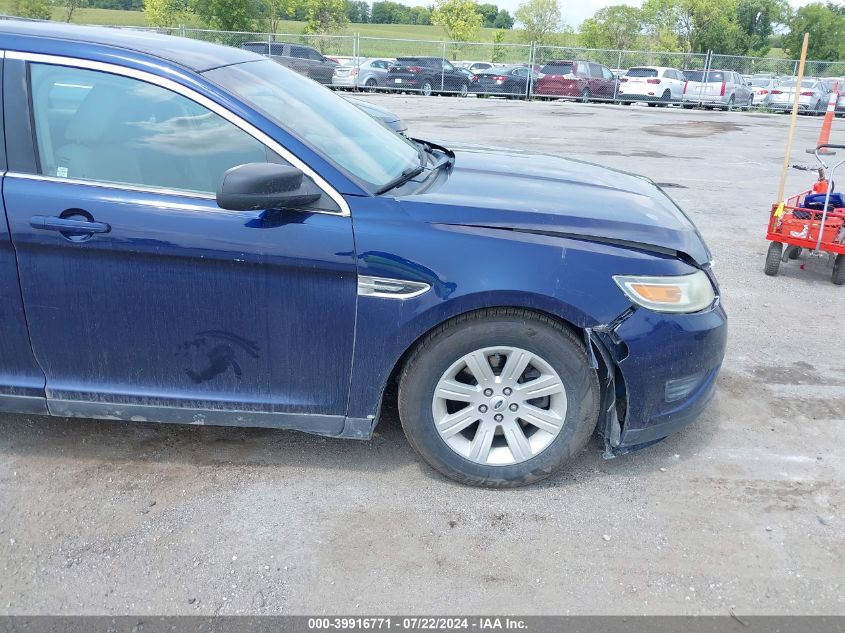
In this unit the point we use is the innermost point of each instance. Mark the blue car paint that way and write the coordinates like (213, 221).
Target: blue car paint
(501, 228)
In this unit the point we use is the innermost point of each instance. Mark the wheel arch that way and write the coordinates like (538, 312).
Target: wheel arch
(388, 390)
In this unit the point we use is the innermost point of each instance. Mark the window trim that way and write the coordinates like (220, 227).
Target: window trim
(188, 93)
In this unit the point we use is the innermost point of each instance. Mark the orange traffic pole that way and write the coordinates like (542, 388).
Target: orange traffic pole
(824, 135)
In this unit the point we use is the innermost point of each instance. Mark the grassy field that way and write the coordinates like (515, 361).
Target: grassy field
(392, 31)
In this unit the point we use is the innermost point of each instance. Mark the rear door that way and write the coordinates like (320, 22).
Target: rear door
(144, 298)
(299, 60)
(21, 379)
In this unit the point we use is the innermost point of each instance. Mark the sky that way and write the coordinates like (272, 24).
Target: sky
(576, 11)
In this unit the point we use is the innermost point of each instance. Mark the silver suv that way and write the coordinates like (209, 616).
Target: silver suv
(717, 88)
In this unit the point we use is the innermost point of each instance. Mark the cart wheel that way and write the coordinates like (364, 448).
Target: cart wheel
(839, 270)
(793, 252)
(773, 259)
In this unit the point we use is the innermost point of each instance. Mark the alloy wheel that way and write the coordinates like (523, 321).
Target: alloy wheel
(499, 405)
(426, 89)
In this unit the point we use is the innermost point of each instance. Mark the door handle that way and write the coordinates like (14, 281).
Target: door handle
(67, 225)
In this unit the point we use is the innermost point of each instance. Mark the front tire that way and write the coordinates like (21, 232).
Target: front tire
(499, 397)
(838, 276)
(585, 95)
(773, 259)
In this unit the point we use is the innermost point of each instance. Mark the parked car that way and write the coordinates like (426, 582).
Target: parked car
(367, 74)
(576, 79)
(179, 247)
(475, 67)
(509, 81)
(656, 85)
(303, 59)
(427, 75)
(385, 116)
(812, 99)
(762, 88)
(716, 89)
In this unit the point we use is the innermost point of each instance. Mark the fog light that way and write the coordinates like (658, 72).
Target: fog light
(680, 388)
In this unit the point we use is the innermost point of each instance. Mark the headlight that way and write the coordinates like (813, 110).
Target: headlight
(685, 293)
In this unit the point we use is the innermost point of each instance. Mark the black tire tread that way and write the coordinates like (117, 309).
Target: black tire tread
(580, 439)
(773, 257)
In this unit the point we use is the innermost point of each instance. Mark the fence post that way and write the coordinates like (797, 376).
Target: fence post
(708, 60)
(269, 44)
(356, 55)
(442, 69)
(530, 70)
(616, 80)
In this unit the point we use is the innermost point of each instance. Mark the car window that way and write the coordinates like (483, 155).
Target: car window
(333, 127)
(277, 49)
(641, 72)
(97, 126)
(256, 47)
(312, 54)
(447, 66)
(606, 74)
(595, 70)
(299, 51)
(557, 68)
(713, 76)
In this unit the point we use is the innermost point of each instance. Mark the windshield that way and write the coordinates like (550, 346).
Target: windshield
(713, 76)
(759, 83)
(337, 130)
(642, 72)
(557, 68)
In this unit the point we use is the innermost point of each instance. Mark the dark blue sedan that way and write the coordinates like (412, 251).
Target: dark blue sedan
(195, 234)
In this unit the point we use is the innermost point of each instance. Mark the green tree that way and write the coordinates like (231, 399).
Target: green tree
(272, 12)
(165, 12)
(826, 25)
(696, 25)
(357, 11)
(539, 19)
(325, 16)
(459, 18)
(227, 15)
(499, 51)
(612, 27)
(757, 20)
(71, 6)
(420, 15)
(36, 9)
(488, 13)
(504, 20)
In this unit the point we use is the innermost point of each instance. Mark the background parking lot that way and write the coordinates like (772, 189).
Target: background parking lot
(743, 511)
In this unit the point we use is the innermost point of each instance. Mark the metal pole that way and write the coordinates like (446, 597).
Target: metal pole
(357, 57)
(530, 71)
(707, 62)
(442, 69)
(616, 78)
(792, 123)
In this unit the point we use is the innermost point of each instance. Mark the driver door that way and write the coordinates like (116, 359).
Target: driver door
(144, 299)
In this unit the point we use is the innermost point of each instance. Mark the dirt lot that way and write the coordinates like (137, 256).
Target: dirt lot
(745, 510)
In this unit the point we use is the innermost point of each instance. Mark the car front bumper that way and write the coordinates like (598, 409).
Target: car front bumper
(668, 364)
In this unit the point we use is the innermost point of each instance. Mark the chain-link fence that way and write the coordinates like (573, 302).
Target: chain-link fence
(519, 70)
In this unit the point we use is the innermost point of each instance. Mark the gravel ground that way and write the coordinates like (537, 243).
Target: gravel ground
(742, 511)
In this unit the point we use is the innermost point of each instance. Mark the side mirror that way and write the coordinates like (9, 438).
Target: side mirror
(261, 186)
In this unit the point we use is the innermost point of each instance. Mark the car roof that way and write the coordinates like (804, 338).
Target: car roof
(193, 54)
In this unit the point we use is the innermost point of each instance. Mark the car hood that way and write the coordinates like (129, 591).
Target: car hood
(534, 192)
